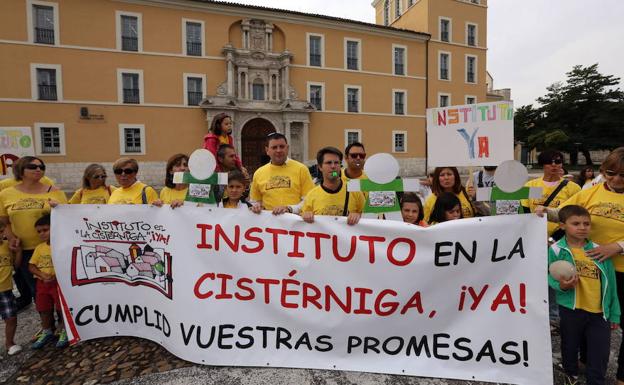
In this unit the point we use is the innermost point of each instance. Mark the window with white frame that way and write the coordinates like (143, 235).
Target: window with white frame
(132, 139)
(399, 102)
(471, 99)
(130, 86)
(444, 100)
(352, 136)
(315, 50)
(316, 95)
(352, 54)
(399, 141)
(471, 69)
(399, 59)
(44, 23)
(397, 9)
(194, 33)
(50, 138)
(46, 82)
(352, 99)
(445, 29)
(194, 90)
(471, 35)
(129, 31)
(445, 65)
(386, 12)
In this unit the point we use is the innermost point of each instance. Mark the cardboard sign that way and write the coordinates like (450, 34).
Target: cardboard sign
(15, 142)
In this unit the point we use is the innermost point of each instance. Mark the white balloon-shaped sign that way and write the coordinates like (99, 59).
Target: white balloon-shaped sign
(202, 164)
(381, 168)
(561, 270)
(510, 176)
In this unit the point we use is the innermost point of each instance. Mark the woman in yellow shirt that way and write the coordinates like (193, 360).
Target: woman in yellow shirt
(94, 189)
(131, 190)
(446, 179)
(20, 207)
(174, 193)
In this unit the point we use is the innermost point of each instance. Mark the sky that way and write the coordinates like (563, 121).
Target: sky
(531, 43)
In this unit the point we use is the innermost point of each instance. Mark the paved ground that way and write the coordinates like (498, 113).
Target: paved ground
(133, 361)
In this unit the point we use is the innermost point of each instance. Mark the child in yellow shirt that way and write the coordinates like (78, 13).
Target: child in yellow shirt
(47, 297)
(237, 184)
(9, 260)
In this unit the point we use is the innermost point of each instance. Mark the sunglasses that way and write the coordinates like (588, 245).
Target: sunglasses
(127, 171)
(357, 155)
(611, 174)
(556, 161)
(99, 176)
(33, 166)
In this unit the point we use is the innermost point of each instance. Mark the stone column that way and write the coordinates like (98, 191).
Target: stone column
(230, 77)
(305, 138)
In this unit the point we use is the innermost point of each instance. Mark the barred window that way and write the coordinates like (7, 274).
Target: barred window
(50, 140)
(129, 33)
(132, 140)
(193, 39)
(43, 18)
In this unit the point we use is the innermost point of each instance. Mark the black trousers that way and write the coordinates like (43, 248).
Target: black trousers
(591, 328)
(24, 280)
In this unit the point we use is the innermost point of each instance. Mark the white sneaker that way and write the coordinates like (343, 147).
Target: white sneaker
(14, 350)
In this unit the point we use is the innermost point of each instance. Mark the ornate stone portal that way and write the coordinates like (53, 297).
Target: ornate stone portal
(257, 91)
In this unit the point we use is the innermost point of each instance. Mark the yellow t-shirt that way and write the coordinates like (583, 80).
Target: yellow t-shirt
(132, 195)
(42, 258)
(99, 196)
(570, 189)
(10, 182)
(168, 195)
(607, 216)
(323, 202)
(281, 185)
(345, 178)
(6, 267)
(24, 210)
(224, 139)
(467, 210)
(588, 294)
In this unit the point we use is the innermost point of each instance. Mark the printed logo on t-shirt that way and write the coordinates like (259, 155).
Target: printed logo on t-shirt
(29, 204)
(44, 262)
(586, 269)
(96, 201)
(278, 181)
(608, 210)
(6, 261)
(332, 210)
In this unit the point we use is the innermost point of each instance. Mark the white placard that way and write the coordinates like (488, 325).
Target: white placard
(465, 299)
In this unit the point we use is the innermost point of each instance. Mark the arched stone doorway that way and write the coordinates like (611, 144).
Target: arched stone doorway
(253, 137)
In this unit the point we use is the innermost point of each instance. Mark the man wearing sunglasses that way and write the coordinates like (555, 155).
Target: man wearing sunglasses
(355, 156)
(281, 184)
(555, 189)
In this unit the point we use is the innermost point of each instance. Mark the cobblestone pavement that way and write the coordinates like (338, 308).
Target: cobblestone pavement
(134, 361)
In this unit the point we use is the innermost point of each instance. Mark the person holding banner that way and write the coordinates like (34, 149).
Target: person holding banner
(331, 197)
(94, 189)
(280, 185)
(412, 209)
(446, 179)
(174, 193)
(131, 191)
(20, 206)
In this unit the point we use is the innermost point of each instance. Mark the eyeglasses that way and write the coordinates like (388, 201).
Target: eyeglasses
(127, 171)
(33, 166)
(556, 161)
(611, 174)
(356, 155)
(99, 176)
(331, 162)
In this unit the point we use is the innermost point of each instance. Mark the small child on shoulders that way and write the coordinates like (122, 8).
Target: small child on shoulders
(47, 297)
(588, 301)
(9, 260)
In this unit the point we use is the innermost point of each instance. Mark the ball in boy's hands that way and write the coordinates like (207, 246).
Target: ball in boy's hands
(562, 270)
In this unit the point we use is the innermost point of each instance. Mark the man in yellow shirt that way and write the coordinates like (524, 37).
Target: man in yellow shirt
(281, 184)
(331, 197)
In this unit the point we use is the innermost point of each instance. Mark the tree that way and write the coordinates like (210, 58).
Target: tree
(584, 113)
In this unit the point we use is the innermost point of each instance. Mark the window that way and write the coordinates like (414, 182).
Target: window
(410, 3)
(257, 89)
(397, 9)
(471, 35)
(50, 138)
(386, 12)
(399, 102)
(316, 95)
(352, 136)
(315, 50)
(471, 99)
(352, 54)
(43, 20)
(399, 59)
(471, 68)
(194, 91)
(445, 65)
(129, 31)
(132, 139)
(46, 82)
(353, 99)
(445, 29)
(399, 141)
(444, 100)
(130, 86)
(193, 33)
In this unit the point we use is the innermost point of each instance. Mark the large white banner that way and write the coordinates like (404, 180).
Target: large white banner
(470, 135)
(464, 299)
